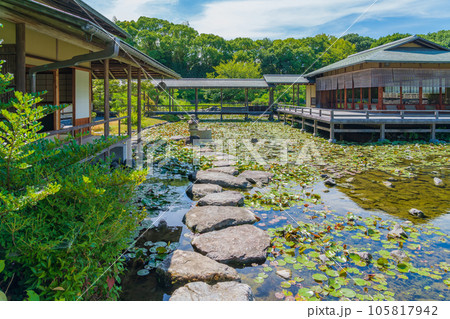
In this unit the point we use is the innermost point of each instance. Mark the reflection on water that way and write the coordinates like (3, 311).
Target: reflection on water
(369, 192)
(365, 196)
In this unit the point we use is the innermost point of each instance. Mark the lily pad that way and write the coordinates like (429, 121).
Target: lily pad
(320, 277)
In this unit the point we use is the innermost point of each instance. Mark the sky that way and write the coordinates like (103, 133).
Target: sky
(280, 19)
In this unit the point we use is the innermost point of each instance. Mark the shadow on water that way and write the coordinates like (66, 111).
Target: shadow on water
(375, 190)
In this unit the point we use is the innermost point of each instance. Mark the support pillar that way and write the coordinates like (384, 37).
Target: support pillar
(303, 124)
(440, 98)
(196, 101)
(361, 104)
(56, 100)
(369, 104)
(106, 96)
(139, 103)
(20, 75)
(433, 133)
(380, 98)
(246, 104)
(332, 138)
(221, 104)
(382, 132)
(315, 128)
(129, 107)
(420, 97)
(345, 98)
(353, 96)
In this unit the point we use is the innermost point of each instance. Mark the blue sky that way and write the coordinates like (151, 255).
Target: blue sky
(277, 19)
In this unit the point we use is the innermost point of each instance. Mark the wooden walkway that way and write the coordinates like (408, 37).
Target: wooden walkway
(363, 121)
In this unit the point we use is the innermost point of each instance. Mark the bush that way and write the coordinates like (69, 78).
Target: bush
(63, 224)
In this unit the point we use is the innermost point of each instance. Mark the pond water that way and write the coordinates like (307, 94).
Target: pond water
(353, 216)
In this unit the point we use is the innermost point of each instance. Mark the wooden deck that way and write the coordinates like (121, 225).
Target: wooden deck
(363, 121)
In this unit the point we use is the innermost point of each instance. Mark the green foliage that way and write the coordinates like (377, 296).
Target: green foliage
(236, 70)
(62, 223)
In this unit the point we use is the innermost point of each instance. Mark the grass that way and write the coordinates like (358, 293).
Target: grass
(114, 126)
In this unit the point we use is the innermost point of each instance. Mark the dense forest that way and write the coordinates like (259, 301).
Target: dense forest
(192, 54)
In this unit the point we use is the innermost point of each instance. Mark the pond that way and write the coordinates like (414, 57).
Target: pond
(318, 231)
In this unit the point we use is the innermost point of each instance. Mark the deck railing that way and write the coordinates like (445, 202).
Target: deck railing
(366, 114)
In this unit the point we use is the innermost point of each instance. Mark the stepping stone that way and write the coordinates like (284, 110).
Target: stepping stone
(228, 198)
(208, 218)
(226, 169)
(223, 163)
(221, 179)
(223, 291)
(196, 191)
(182, 267)
(180, 138)
(239, 245)
(257, 177)
(397, 232)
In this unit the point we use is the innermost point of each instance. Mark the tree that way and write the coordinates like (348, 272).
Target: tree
(389, 38)
(361, 43)
(236, 70)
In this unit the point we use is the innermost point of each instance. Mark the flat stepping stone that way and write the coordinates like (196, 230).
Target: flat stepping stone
(257, 177)
(227, 198)
(182, 267)
(209, 218)
(238, 245)
(223, 291)
(180, 138)
(221, 179)
(230, 170)
(196, 191)
(223, 163)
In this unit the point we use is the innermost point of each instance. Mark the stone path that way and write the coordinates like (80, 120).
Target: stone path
(224, 235)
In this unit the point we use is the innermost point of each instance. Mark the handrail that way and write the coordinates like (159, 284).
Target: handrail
(80, 127)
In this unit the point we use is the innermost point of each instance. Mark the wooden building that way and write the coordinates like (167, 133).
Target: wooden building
(61, 46)
(408, 74)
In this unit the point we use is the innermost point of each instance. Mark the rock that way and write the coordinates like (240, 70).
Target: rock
(221, 179)
(196, 191)
(254, 140)
(397, 232)
(388, 184)
(438, 182)
(228, 198)
(416, 213)
(230, 170)
(208, 218)
(399, 256)
(240, 245)
(223, 291)
(324, 258)
(180, 138)
(365, 256)
(223, 163)
(259, 177)
(350, 180)
(284, 273)
(330, 182)
(182, 267)
(324, 176)
(392, 179)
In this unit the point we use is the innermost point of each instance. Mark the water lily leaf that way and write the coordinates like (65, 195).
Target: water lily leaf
(354, 257)
(285, 284)
(290, 260)
(332, 273)
(143, 272)
(3, 296)
(346, 292)
(305, 292)
(263, 275)
(382, 261)
(259, 280)
(267, 269)
(320, 277)
(281, 262)
(336, 293)
(360, 282)
(298, 279)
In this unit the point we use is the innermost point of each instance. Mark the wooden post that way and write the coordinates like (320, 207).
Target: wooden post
(303, 124)
(315, 128)
(382, 132)
(353, 96)
(56, 100)
(20, 76)
(433, 132)
(332, 139)
(361, 105)
(196, 101)
(106, 84)
(139, 102)
(380, 98)
(420, 97)
(298, 94)
(129, 106)
(440, 99)
(401, 97)
(345, 98)
(369, 104)
(246, 104)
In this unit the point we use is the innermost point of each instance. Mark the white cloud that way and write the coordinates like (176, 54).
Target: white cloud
(275, 18)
